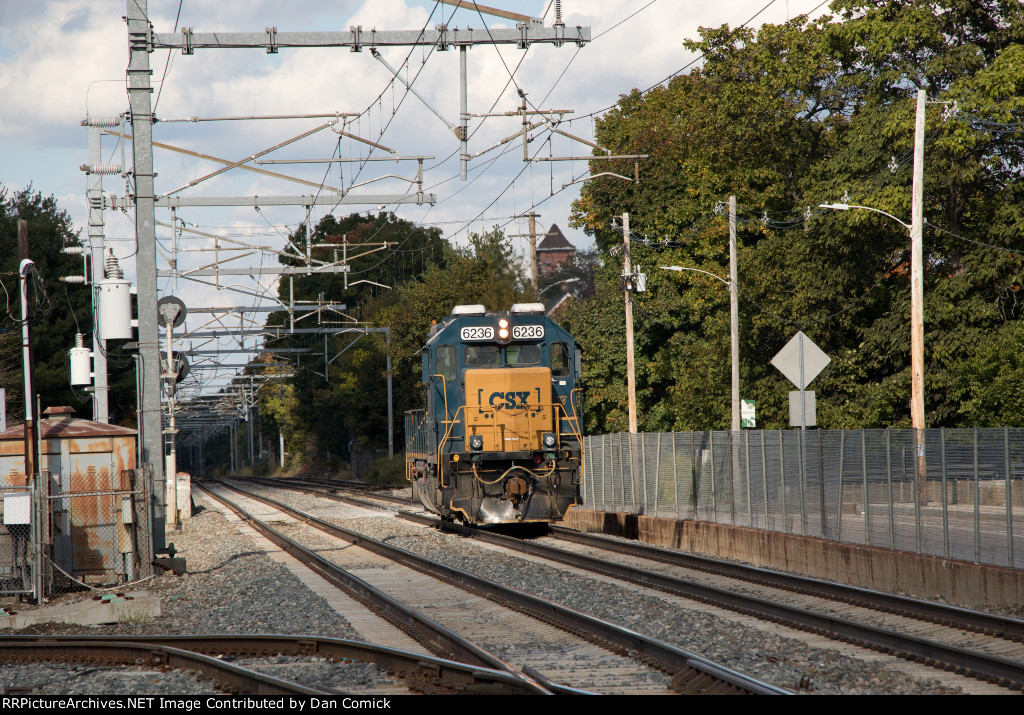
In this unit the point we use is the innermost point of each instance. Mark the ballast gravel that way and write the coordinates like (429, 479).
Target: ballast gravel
(781, 661)
(232, 587)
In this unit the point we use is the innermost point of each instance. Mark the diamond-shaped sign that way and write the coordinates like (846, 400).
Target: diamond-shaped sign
(801, 360)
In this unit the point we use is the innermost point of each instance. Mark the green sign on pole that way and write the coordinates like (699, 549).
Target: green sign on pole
(747, 414)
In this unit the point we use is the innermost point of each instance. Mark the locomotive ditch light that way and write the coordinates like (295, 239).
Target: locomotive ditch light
(549, 440)
(476, 442)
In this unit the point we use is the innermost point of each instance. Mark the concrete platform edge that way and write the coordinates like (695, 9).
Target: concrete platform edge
(958, 582)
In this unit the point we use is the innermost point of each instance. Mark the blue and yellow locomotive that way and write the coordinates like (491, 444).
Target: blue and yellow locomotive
(499, 441)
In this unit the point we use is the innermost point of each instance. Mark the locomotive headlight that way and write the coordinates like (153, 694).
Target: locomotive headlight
(549, 440)
(503, 329)
(476, 442)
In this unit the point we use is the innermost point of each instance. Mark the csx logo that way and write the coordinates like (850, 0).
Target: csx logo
(508, 400)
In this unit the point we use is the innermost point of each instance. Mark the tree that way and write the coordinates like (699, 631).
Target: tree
(791, 117)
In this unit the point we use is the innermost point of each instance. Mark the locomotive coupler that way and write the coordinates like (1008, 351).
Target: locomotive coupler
(515, 489)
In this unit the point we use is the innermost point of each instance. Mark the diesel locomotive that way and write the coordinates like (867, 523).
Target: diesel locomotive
(499, 440)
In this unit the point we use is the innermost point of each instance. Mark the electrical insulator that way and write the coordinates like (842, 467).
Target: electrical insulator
(73, 279)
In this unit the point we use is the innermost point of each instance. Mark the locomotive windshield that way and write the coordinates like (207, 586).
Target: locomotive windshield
(482, 355)
(523, 354)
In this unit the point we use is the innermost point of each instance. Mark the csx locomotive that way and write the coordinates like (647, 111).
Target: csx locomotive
(499, 441)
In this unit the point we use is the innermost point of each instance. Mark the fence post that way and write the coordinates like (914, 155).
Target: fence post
(657, 477)
(800, 476)
(675, 474)
(867, 494)
(37, 538)
(839, 508)
(921, 484)
(764, 481)
(888, 472)
(945, 496)
(821, 486)
(977, 503)
(746, 470)
(693, 477)
(714, 500)
(782, 482)
(1009, 497)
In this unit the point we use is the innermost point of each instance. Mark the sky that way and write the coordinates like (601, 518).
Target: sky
(64, 60)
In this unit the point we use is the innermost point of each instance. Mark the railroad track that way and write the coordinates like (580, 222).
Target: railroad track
(203, 657)
(984, 646)
(626, 657)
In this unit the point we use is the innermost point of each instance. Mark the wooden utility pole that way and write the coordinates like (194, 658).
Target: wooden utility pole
(917, 273)
(627, 270)
(917, 298)
(532, 235)
(734, 316)
(534, 269)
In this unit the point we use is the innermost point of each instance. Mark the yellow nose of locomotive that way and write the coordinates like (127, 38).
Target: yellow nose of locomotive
(510, 409)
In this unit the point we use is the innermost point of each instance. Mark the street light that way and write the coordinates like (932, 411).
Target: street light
(567, 280)
(916, 313)
(734, 339)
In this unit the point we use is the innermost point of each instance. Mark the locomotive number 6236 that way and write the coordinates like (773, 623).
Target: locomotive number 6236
(498, 440)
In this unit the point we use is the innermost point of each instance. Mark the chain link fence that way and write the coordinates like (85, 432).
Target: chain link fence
(20, 556)
(952, 493)
(65, 533)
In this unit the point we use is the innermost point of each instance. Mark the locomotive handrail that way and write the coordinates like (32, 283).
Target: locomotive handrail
(451, 424)
(574, 421)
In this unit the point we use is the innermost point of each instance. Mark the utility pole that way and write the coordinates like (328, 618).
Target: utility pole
(734, 316)
(27, 268)
(627, 270)
(100, 395)
(534, 270)
(917, 297)
(140, 35)
(532, 235)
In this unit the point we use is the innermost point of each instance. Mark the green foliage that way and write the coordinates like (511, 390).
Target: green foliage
(788, 118)
(387, 471)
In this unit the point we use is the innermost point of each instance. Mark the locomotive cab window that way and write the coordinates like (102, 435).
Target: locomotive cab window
(523, 354)
(446, 362)
(482, 355)
(559, 360)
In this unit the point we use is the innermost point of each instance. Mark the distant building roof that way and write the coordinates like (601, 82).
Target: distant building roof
(555, 240)
(62, 422)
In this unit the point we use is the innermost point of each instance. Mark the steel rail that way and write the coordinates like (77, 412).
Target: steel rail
(713, 678)
(226, 677)
(954, 616)
(995, 669)
(1002, 671)
(431, 634)
(978, 621)
(423, 672)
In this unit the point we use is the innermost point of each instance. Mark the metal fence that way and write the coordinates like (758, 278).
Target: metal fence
(959, 494)
(68, 532)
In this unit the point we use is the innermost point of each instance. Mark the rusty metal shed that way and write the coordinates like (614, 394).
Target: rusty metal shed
(91, 497)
